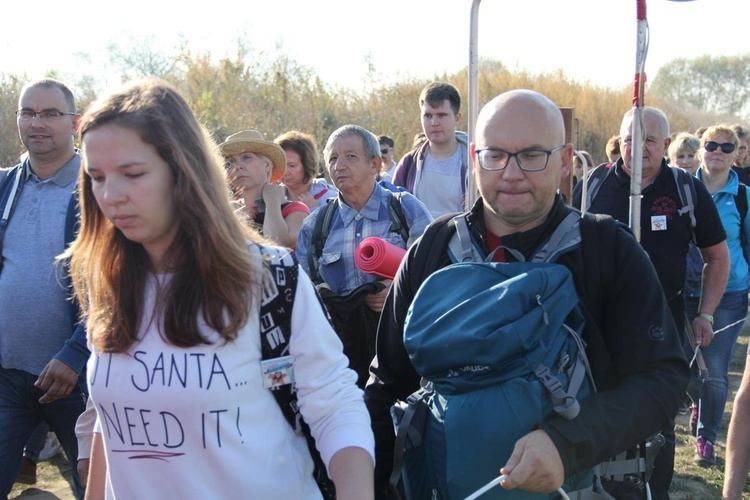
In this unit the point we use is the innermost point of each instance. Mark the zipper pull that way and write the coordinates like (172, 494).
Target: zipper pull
(544, 311)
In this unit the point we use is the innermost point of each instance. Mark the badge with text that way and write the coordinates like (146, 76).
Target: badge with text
(658, 222)
(277, 371)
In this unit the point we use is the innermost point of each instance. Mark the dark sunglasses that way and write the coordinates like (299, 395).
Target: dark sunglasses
(726, 147)
(385, 151)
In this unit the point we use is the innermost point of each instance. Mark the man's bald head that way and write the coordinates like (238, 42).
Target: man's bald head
(543, 115)
(655, 129)
(525, 126)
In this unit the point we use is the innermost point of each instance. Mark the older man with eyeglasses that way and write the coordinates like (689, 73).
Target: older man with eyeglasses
(42, 347)
(667, 227)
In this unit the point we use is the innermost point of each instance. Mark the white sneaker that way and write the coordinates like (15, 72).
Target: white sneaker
(51, 447)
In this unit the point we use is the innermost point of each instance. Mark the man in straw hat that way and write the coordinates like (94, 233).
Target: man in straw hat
(362, 209)
(254, 165)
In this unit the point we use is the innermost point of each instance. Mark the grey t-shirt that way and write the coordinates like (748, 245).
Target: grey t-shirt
(35, 316)
(439, 184)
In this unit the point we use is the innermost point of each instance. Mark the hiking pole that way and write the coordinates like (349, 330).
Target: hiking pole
(487, 487)
(698, 355)
(585, 176)
(637, 132)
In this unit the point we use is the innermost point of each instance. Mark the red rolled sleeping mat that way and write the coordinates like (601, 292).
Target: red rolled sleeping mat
(378, 257)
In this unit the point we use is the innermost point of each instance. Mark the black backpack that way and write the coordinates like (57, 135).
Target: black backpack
(323, 223)
(354, 322)
(688, 198)
(685, 189)
(275, 332)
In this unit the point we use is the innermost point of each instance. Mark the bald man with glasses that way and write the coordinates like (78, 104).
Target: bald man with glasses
(519, 157)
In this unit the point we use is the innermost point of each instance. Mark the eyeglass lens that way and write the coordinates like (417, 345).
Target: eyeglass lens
(47, 114)
(530, 160)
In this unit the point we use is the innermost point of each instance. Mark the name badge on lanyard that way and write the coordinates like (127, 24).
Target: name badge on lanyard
(277, 372)
(658, 222)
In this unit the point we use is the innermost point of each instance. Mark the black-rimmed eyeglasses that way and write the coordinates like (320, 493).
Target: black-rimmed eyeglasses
(528, 160)
(45, 114)
(385, 151)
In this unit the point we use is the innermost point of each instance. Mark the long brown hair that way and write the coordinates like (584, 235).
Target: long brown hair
(213, 274)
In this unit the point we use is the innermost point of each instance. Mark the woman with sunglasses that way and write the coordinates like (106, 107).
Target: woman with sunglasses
(173, 284)
(718, 148)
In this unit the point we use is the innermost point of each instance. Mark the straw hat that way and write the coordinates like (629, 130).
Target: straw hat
(252, 141)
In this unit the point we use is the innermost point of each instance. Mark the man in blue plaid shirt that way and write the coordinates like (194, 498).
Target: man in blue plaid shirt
(355, 299)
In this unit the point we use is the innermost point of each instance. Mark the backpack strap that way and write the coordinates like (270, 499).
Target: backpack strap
(12, 184)
(688, 195)
(398, 219)
(318, 240)
(593, 184)
(566, 236)
(275, 332)
(740, 201)
(565, 402)
(461, 247)
(324, 221)
(72, 219)
(620, 465)
(12, 180)
(408, 436)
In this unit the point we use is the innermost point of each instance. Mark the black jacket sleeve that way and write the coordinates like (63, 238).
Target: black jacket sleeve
(633, 348)
(392, 376)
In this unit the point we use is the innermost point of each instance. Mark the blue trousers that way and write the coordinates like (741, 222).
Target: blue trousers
(21, 412)
(35, 444)
(718, 354)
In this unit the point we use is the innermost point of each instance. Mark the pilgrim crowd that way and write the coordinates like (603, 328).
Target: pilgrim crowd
(147, 271)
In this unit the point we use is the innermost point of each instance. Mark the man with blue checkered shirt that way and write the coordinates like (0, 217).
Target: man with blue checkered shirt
(326, 251)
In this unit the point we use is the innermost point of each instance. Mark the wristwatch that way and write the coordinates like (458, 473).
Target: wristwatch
(707, 317)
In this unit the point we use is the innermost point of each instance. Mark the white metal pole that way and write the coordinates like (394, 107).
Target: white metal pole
(472, 192)
(637, 131)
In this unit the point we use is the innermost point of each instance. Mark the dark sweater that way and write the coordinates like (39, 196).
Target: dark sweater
(632, 343)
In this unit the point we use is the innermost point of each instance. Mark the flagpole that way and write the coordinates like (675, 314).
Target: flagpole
(637, 133)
